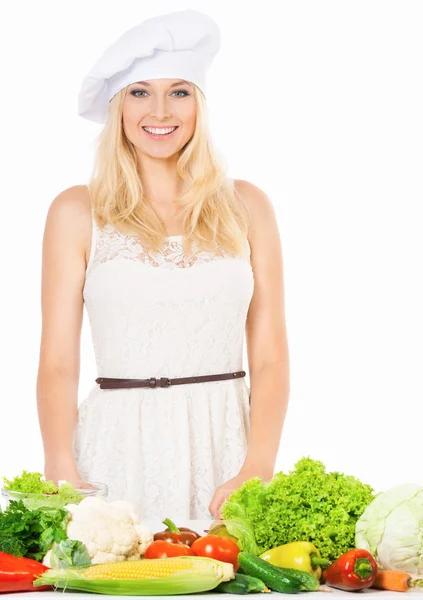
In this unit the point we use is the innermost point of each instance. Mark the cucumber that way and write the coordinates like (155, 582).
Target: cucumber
(242, 584)
(307, 581)
(257, 567)
(286, 581)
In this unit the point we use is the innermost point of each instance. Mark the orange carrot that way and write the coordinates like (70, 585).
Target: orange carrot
(394, 581)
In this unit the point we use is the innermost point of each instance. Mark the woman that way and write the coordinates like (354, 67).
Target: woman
(174, 262)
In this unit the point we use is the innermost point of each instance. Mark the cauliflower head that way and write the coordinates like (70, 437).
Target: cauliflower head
(111, 531)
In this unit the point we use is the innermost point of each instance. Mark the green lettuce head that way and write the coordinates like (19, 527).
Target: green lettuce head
(307, 504)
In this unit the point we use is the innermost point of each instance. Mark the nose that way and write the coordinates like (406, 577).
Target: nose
(160, 109)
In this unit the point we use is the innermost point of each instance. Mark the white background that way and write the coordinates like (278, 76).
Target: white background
(319, 103)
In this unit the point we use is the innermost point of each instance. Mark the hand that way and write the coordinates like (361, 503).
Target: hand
(69, 473)
(226, 489)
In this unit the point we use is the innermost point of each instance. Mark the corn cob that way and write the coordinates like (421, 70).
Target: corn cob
(158, 576)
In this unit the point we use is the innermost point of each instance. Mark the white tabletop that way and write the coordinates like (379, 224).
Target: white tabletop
(201, 527)
(333, 595)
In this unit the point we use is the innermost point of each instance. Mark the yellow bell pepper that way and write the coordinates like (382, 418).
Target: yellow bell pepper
(303, 556)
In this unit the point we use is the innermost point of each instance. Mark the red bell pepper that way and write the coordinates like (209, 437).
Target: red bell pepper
(163, 549)
(181, 535)
(18, 574)
(354, 570)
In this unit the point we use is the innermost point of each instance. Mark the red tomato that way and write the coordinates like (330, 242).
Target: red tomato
(217, 547)
(163, 549)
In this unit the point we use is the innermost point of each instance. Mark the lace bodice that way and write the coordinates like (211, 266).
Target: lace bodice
(111, 244)
(161, 314)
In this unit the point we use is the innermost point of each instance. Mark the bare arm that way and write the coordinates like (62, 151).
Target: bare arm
(68, 226)
(266, 337)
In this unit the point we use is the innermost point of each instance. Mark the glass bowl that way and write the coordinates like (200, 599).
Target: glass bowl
(52, 500)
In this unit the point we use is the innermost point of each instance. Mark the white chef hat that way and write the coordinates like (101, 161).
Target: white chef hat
(179, 45)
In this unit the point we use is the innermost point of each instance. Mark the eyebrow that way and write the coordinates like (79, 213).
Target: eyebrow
(182, 81)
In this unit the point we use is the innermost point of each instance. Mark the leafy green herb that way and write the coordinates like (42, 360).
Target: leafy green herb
(31, 533)
(307, 504)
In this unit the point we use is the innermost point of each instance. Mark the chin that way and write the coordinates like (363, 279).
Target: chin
(160, 152)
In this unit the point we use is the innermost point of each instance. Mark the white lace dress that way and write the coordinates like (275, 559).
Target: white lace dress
(159, 315)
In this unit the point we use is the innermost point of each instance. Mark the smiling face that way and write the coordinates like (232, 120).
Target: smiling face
(159, 116)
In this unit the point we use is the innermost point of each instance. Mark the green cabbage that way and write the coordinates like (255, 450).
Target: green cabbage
(391, 528)
(307, 504)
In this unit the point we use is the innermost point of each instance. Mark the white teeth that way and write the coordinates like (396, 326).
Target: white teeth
(159, 131)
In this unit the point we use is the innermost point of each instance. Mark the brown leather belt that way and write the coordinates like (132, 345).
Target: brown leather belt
(113, 383)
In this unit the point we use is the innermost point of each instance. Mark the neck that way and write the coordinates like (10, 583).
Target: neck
(160, 182)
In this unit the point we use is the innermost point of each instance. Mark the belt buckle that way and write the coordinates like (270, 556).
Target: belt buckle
(165, 382)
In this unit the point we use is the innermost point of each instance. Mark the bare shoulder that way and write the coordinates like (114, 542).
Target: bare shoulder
(70, 212)
(263, 217)
(251, 192)
(72, 201)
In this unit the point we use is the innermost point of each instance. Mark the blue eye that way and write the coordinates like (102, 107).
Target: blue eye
(135, 92)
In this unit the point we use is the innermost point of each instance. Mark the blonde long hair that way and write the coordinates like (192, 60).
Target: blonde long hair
(213, 213)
